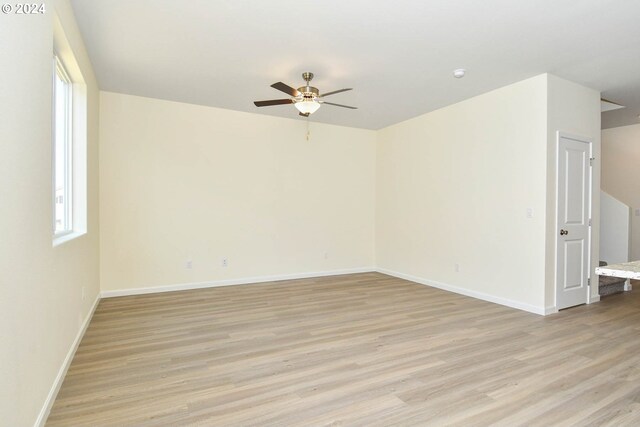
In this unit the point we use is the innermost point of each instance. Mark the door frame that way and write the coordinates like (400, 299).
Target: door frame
(589, 142)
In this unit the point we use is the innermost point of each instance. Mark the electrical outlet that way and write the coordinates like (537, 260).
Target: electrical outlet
(456, 267)
(188, 265)
(225, 262)
(529, 212)
(326, 255)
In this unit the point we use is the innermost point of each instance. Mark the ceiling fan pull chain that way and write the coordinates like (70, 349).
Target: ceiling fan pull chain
(308, 131)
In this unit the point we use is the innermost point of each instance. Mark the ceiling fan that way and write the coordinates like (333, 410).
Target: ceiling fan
(307, 99)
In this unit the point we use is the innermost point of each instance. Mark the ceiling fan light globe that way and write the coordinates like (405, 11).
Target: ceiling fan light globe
(307, 106)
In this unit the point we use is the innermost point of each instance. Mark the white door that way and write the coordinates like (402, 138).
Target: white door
(574, 211)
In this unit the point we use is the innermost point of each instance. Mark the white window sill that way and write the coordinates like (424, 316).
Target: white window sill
(64, 238)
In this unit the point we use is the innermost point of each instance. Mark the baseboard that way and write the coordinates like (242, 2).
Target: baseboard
(594, 298)
(231, 282)
(48, 403)
(474, 294)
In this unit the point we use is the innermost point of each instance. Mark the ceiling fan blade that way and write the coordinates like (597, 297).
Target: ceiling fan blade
(273, 102)
(285, 88)
(304, 114)
(336, 91)
(340, 105)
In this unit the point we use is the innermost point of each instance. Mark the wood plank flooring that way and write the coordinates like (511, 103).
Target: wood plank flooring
(354, 350)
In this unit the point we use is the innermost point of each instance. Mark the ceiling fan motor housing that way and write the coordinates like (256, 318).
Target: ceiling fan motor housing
(309, 91)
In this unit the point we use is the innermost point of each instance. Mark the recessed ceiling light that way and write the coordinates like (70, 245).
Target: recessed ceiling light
(459, 73)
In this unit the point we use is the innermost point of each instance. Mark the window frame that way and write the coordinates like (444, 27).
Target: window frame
(59, 71)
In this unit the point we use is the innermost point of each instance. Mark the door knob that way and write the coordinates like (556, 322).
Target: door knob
(563, 232)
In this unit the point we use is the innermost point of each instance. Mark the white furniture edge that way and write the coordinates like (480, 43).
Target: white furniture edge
(612, 272)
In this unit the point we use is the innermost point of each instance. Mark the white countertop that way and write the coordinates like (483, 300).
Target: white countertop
(625, 270)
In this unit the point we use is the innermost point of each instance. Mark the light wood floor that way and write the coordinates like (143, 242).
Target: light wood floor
(361, 350)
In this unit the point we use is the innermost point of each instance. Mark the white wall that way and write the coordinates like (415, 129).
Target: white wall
(573, 109)
(621, 174)
(41, 308)
(454, 187)
(183, 182)
(614, 229)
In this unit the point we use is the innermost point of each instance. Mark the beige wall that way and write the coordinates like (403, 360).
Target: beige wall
(573, 109)
(183, 182)
(454, 187)
(621, 174)
(41, 308)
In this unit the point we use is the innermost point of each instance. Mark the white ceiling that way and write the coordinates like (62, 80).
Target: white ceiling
(397, 55)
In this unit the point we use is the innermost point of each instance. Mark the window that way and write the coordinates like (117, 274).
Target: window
(69, 138)
(62, 150)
